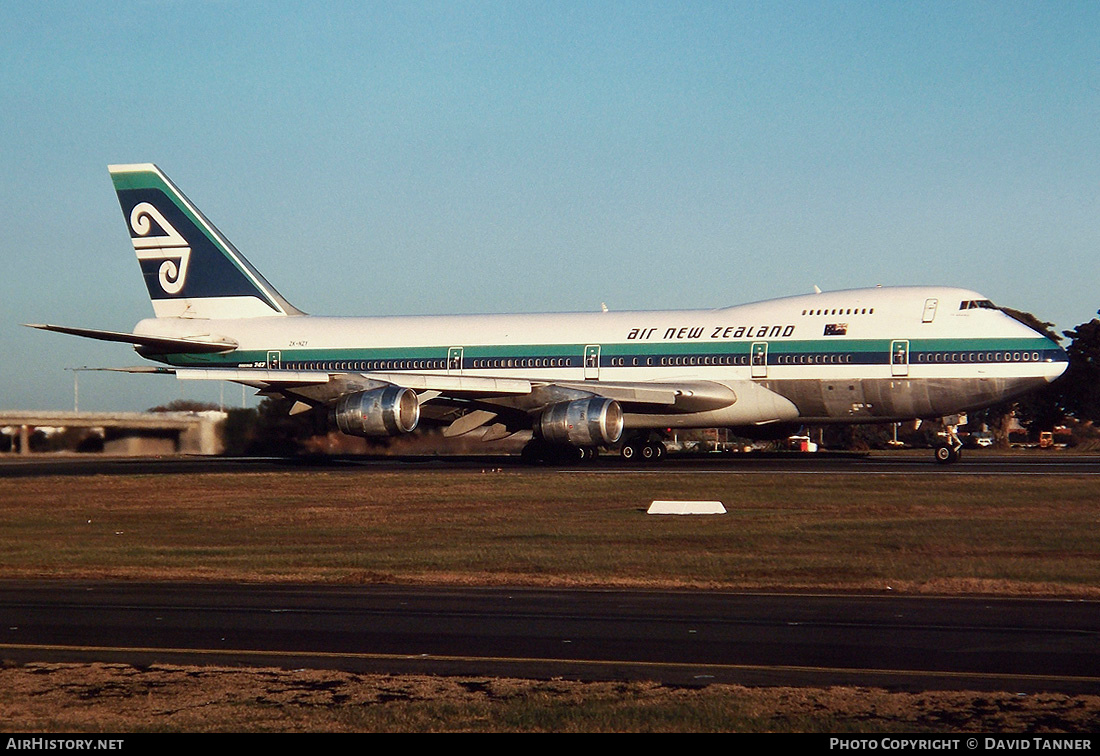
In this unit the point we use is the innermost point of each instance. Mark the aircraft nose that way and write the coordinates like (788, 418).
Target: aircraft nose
(1057, 357)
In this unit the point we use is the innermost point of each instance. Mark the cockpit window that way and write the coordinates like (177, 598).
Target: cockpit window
(977, 304)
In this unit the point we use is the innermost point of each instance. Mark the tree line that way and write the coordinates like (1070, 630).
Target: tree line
(1073, 400)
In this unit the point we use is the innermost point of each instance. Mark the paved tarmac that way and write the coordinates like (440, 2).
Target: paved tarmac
(684, 638)
(830, 463)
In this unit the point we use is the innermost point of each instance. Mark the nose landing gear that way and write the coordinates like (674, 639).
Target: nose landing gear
(949, 448)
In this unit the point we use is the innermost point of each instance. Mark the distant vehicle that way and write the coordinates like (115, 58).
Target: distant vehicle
(801, 444)
(984, 441)
(1046, 439)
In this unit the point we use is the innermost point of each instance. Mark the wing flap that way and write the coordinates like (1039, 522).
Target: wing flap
(686, 396)
(254, 375)
(445, 384)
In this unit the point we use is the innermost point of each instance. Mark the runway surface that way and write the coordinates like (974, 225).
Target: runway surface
(830, 463)
(683, 638)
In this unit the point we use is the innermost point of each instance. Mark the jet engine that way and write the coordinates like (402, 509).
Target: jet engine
(386, 411)
(582, 422)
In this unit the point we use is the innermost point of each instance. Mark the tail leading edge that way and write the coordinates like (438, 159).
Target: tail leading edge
(191, 270)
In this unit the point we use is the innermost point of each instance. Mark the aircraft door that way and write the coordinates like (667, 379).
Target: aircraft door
(274, 360)
(929, 310)
(592, 362)
(759, 359)
(454, 361)
(899, 357)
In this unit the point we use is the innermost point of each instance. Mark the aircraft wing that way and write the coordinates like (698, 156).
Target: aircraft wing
(688, 396)
(501, 406)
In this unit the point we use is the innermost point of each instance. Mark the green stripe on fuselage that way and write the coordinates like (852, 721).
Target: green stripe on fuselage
(556, 351)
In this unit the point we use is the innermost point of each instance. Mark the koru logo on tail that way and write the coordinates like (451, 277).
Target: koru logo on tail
(170, 247)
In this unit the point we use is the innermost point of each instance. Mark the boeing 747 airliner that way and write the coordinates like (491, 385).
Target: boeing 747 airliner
(578, 382)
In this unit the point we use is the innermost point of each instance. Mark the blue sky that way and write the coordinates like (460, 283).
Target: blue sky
(421, 157)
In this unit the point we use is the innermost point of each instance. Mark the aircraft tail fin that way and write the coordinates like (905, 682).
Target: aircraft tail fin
(191, 270)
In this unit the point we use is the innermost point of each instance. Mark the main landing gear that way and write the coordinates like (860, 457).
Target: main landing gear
(644, 451)
(642, 448)
(538, 451)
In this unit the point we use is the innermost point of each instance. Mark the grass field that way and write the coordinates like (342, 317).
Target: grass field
(931, 533)
(1018, 535)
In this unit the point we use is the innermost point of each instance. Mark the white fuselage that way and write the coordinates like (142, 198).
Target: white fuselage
(858, 355)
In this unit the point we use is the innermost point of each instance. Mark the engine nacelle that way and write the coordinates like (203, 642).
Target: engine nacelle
(387, 411)
(583, 422)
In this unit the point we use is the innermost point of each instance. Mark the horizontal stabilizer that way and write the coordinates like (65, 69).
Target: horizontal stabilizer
(151, 344)
(136, 369)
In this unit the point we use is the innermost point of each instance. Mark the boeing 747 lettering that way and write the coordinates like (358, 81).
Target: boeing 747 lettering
(572, 383)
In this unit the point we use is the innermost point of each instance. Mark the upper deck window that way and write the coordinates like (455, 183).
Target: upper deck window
(977, 304)
(841, 311)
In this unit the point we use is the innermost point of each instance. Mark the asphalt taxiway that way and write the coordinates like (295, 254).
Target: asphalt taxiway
(975, 463)
(684, 638)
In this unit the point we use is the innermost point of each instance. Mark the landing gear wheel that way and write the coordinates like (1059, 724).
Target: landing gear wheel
(538, 452)
(946, 454)
(653, 452)
(569, 455)
(629, 452)
(533, 453)
(950, 447)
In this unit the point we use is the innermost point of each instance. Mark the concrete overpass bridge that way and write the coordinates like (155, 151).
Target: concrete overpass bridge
(134, 433)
